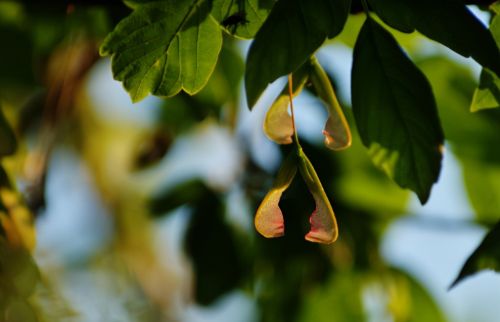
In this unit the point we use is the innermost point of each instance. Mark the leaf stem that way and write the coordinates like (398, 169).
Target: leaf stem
(290, 94)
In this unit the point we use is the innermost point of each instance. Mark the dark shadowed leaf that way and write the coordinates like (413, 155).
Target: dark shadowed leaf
(182, 194)
(16, 58)
(241, 18)
(486, 256)
(446, 21)
(212, 247)
(8, 143)
(164, 47)
(487, 95)
(292, 33)
(395, 111)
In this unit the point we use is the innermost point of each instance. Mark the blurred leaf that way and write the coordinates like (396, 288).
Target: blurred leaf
(186, 193)
(269, 220)
(471, 135)
(446, 21)
(209, 241)
(292, 33)
(164, 47)
(15, 218)
(19, 310)
(16, 58)
(482, 181)
(362, 186)
(487, 95)
(19, 273)
(338, 300)
(242, 18)
(323, 223)
(337, 132)
(11, 13)
(8, 142)
(409, 301)
(278, 124)
(486, 256)
(395, 111)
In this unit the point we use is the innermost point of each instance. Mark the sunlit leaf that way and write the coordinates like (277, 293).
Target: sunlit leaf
(408, 300)
(482, 181)
(241, 18)
(164, 47)
(292, 33)
(486, 256)
(337, 132)
(395, 111)
(269, 220)
(487, 95)
(323, 223)
(446, 21)
(15, 218)
(278, 124)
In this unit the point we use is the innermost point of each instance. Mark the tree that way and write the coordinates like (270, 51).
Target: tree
(403, 111)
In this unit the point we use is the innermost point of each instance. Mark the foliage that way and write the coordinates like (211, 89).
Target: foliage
(404, 109)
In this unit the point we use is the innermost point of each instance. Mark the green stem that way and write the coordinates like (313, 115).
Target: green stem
(290, 94)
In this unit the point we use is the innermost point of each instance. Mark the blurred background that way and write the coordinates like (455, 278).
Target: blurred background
(144, 212)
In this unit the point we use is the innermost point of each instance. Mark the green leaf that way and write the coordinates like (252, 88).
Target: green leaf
(291, 34)
(269, 220)
(446, 21)
(482, 181)
(470, 135)
(16, 58)
(362, 186)
(408, 300)
(278, 124)
(337, 132)
(241, 18)
(218, 262)
(487, 95)
(395, 111)
(8, 143)
(323, 223)
(185, 193)
(164, 47)
(342, 294)
(486, 256)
